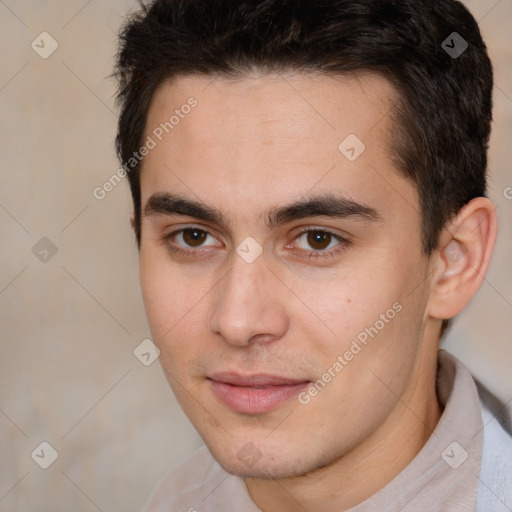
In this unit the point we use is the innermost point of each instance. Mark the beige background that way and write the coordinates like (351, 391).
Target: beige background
(69, 326)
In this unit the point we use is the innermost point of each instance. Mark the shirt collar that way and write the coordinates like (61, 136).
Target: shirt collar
(444, 474)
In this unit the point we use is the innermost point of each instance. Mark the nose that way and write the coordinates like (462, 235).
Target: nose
(249, 305)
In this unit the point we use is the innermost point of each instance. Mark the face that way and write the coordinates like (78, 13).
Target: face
(281, 266)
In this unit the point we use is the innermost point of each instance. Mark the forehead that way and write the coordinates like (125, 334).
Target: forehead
(273, 138)
(276, 105)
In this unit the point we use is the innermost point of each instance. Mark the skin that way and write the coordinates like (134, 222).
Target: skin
(255, 144)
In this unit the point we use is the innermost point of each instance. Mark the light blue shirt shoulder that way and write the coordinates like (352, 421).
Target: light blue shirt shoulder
(495, 480)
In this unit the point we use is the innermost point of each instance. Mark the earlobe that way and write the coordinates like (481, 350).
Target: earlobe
(463, 258)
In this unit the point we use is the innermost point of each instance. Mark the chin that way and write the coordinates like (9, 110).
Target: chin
(261, 471)
(267, 464)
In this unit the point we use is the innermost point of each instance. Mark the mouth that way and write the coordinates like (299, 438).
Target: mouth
(254, 394)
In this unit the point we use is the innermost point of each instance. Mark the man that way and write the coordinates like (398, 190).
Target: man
(309, 186)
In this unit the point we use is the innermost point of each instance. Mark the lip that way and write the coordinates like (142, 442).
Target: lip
(254, 394)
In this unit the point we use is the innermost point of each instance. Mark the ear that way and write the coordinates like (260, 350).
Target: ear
(132, 220)
(463, 257)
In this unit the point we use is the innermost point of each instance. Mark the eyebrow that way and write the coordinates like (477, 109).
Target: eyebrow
(326, 205)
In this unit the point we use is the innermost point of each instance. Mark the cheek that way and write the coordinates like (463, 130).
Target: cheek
(342, 307)
(165, 294)
(156, 294)
(367, 315)
(175, 309)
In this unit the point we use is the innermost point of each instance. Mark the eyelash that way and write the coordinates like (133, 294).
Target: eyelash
(316, 254)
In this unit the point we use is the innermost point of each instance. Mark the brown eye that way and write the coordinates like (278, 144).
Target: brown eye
(320, 243)
(319, 240)
(194, 237)
(191, 241)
